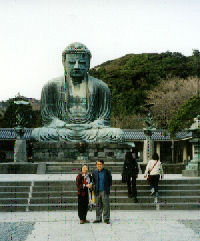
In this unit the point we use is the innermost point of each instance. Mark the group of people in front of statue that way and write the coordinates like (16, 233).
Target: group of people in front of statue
(101, 180)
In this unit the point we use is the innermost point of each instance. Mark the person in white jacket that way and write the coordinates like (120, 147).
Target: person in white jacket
(154, 168)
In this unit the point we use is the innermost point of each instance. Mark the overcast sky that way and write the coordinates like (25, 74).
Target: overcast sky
(33, 34)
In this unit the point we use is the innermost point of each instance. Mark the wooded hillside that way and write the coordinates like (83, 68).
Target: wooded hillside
(131, 77)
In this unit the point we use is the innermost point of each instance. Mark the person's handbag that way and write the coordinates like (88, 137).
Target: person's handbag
(149, 177)
(92, 199)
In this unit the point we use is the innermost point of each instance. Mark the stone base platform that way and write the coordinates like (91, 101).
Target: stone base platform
(191, 173)
(192, 169)
(78, 152)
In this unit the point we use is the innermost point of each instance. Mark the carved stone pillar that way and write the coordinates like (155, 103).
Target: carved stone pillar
(20, 151)
(158, 148)
(148, 146)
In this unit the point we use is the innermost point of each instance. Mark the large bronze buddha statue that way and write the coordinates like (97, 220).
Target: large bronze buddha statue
(76, 107)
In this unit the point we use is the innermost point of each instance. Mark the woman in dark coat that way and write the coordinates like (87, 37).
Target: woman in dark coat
(130, 169)
(83, 183)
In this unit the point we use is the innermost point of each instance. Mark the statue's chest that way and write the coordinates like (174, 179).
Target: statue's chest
(77, 100)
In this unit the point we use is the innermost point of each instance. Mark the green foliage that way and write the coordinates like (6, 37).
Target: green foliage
(131, 76)
(36, 120)
(184, 118)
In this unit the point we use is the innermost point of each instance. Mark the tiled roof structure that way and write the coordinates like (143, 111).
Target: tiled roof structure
(157, 135)
(130, 135)
(9, 133)
(134, 135)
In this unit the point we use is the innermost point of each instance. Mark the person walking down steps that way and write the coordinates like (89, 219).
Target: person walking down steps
(83, 183)
(130, 170)
(155, 171)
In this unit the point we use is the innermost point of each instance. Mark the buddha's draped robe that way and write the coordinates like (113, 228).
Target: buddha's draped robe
(74, 117)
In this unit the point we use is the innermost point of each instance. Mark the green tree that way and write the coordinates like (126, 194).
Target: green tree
(36, 119)
(166, 98)
(184, 118)
(31, 118)
(132, 76)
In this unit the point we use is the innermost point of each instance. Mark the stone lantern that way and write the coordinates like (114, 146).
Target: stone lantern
(20, 144)
(193, 167)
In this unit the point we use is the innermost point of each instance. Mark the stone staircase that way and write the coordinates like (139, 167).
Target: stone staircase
(74, 168)
(62, 195)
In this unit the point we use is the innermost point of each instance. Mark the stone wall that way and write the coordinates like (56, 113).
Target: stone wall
(72, 152)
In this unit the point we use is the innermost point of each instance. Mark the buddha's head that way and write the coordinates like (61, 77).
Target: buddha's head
(76, 60)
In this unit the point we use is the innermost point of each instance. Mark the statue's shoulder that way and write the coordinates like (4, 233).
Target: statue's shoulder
(98, 81)
(55, 82)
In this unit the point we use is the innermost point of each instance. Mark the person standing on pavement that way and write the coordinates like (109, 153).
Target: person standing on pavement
(131, 171)
(102, 179)
(83, 183)
(155, 170)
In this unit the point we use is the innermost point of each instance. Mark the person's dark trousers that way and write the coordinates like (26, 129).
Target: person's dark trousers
(82, 207)
(131, 184)
(102, 206)
(154, 179)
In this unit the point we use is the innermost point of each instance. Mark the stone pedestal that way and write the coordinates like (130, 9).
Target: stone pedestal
(71, 152)
(82, 158)
(20, 151)
(193, 167)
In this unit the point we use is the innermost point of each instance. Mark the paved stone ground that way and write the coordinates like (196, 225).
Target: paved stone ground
(15, 231)
(125, 226)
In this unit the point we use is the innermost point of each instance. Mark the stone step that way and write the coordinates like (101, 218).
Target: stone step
(6, 183)
(116, 187)
(14, 189)
(113, 206)
(13, 208)
(106, 164)
(13, 195)
(113, 199)
(117, 193)
(72, 182)
(78, 165)
(13, 201)
(73, 172)
(162, 193)
(75, 169)
(72, 186)
(62, 195)
(67, 168)
(138, 182)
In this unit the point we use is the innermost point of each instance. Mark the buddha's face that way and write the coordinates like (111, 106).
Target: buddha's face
(77, 64)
